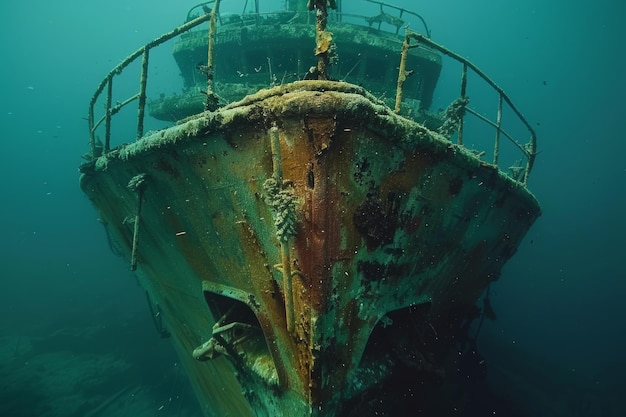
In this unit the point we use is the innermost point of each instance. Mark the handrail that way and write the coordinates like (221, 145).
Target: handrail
(529, 149)
(399, 22)
(203, 6)
(144, 51)
(141, 95)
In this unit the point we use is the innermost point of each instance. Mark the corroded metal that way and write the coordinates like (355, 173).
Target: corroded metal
(312, 249)
(282, 202)
(402, 73)
(212, 100)
(108, 81)
(459, 138)
(324, 49)
(143, 82)
(137, 184)
(364, 58)
(529, 149)
(391, 219)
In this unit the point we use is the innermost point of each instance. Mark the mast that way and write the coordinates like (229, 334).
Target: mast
(324, 49)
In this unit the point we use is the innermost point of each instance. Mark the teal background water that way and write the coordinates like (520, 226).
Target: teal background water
(560, 336)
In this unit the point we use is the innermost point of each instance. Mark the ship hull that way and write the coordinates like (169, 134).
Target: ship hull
(307, 245)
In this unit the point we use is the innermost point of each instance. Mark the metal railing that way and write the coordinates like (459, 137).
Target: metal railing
(107, 83)
(396, 21)
(528, 149)
(247, 17)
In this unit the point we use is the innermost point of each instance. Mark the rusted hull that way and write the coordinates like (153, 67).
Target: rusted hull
(310, 242)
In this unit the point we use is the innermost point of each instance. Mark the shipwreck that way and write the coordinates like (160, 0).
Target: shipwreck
(310, 234)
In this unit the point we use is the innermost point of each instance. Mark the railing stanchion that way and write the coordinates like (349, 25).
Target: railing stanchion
(531, 152)
(459, 139)
(107, 124)
(212, 101)
(496, 146)
(107, 82)
(529, 149)
(143, 81)
(92, 131)
(402, 71)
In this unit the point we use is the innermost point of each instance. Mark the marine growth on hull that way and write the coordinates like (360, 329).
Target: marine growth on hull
(310, 233)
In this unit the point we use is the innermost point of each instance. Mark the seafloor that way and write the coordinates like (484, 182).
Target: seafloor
(107, 365)
(92, 367)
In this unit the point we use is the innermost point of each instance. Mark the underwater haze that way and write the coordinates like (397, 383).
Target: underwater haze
(76, 335)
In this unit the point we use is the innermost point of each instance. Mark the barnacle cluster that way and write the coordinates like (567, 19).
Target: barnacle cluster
(137, 182)
(452, 116)
(102, 163)
(283, 203)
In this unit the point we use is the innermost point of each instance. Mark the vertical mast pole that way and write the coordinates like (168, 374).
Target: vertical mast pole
(211, 98)
(323, 38)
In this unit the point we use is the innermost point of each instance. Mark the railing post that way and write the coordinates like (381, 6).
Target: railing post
(92, 133)
(211, 98)
(531, 152)
(459, 139)
(402, 71)
(496, 146)
(143, 80)
(107, 82)
(107, 124)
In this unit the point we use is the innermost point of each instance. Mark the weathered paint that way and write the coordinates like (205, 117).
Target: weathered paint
(391, 220)
(252, 58)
